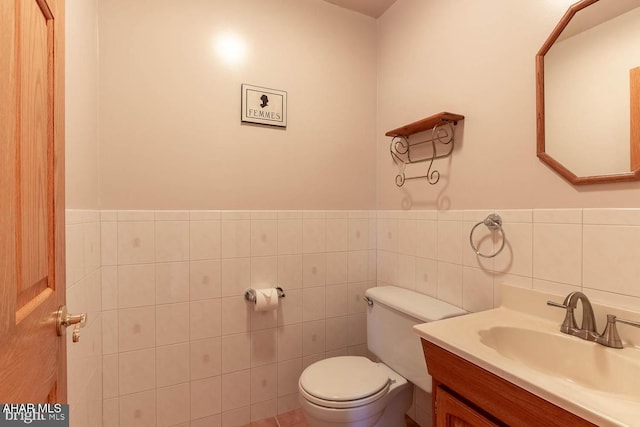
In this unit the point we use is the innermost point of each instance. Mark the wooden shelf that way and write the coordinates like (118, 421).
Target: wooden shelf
(402, 150)
(425, 124)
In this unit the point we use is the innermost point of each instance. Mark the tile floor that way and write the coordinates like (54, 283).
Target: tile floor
(296, 419)
(288, 419)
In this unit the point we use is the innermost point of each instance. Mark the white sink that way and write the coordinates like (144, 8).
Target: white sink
(568, 358)
(522, 343)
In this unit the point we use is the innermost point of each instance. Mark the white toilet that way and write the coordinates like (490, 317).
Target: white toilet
(356, 392)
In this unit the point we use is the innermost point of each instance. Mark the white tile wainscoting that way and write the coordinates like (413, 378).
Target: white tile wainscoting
(83, 291)
(180, 345)
(559, 250)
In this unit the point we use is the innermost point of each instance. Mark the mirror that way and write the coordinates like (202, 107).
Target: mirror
(588, 93)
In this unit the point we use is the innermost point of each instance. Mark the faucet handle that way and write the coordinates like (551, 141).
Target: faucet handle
(569, 324)
(556, 304)
(610, 336)
(626, 322)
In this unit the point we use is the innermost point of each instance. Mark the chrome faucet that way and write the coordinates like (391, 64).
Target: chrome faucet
(587, 330)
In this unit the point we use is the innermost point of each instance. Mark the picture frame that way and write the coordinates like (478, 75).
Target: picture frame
(264, 106)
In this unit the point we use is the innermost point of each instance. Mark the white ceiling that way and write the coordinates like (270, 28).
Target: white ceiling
(373, 8)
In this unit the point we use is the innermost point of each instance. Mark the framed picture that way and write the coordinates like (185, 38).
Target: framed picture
(264, 106)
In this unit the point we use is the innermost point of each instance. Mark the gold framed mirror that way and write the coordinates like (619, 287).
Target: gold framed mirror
(588, 93)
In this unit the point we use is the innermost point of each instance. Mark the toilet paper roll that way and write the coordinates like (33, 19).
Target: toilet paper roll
(266, 299)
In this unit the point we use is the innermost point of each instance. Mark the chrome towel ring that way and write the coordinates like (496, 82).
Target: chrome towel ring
(493, 222)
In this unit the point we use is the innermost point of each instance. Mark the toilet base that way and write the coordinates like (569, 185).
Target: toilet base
(391, 415)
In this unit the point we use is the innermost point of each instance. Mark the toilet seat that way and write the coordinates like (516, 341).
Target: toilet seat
(344, 382)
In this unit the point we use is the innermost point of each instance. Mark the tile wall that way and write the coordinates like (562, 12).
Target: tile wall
(182, 346)
(84, 358)
(559, 250)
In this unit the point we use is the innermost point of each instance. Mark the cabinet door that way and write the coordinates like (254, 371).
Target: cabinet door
(451, 412)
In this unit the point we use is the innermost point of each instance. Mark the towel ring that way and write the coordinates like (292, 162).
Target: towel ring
(493, 222)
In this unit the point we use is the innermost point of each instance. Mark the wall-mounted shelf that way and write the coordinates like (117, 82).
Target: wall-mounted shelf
(401, 148)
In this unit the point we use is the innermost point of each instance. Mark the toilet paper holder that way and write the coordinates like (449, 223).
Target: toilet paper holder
(250, 294)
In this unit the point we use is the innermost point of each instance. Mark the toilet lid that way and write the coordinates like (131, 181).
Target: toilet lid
(344, 379)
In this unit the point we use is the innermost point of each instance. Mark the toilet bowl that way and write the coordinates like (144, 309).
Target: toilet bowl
(354, 391)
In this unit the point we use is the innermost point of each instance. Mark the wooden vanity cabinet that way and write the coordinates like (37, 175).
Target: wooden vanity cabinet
(465, 395)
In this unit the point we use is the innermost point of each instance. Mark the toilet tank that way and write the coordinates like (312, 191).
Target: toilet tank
(390, 334)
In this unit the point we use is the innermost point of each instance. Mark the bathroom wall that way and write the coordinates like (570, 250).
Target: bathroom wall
(84, 359)
(476, 59)
(81, 101)
(170, 131)
(180, 342)
(554, 250)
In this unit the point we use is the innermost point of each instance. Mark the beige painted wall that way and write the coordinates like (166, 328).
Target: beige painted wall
(477, 59)
(81, 92)
(171, 136)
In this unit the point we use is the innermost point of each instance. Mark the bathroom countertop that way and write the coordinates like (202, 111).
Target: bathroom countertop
(525, 309)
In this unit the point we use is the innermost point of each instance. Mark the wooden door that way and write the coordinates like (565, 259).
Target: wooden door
(32, 274)
(451, 412)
